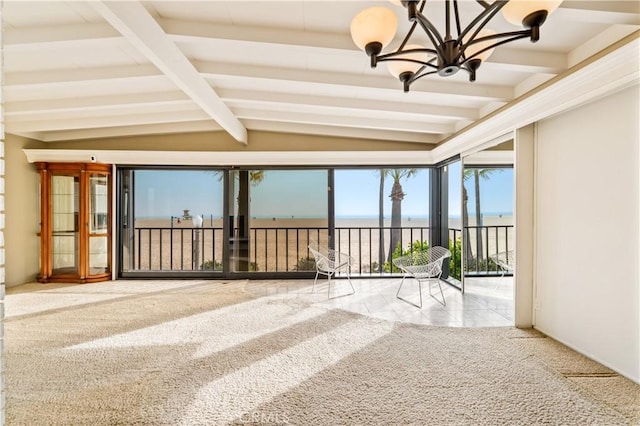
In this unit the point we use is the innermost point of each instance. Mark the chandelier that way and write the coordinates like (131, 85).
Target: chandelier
(374, 28)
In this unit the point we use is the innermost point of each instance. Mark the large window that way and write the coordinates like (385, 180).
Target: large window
(276, 214)
(251, 222)
(171, 220)
(380, 214)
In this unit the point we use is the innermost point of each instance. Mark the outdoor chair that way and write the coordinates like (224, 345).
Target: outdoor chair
(328, 262)
(506, 261)
(423, 265)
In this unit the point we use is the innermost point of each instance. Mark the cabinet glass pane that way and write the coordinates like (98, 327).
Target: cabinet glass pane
(98, 204)
(98, 255)
(65, 209)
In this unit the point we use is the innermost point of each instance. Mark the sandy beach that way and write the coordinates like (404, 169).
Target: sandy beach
(280, 244)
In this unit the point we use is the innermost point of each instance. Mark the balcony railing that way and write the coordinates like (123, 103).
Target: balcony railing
(285, 249)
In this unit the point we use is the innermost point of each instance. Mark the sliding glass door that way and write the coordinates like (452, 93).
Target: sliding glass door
(274, 216)
(170, 221)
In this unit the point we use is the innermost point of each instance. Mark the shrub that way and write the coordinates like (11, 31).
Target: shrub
(306, 264)
(212, 265)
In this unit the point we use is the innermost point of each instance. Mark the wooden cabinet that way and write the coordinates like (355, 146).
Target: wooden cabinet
(75, 228)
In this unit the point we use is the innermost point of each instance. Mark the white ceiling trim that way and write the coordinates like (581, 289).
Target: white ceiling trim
(133, 21)
(235, 158)
(489, 158)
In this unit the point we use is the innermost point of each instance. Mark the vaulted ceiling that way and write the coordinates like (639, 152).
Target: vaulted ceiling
(95, 69)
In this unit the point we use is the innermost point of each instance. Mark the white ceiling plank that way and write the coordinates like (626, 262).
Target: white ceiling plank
(451, 89)
(345, 132)
(601, 41)
(79, 74)
(61, 45)
(103, 111)
(609, 12)
(105, 121)
(202, 32)
(134, 22)
(344, 121)
(527, 61)
(135, 130)
(92, 102)
(47, 35)
(532, 82)
(273, 98)
(74, 89)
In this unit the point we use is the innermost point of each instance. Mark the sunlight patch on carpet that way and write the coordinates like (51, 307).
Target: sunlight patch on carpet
(213, 331)
(229, 397)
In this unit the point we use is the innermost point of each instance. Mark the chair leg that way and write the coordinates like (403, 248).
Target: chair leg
(313, 289)
(353, 290)
(443, 302)
(406, 300)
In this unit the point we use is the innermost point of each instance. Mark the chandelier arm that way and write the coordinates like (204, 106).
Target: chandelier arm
(415, 61)
(486, 16)
(447, 19)
(456, 13)
(513, 36)
(407, 37)
(432, 32)
(483, 4)
(418, 76)
(391, 56)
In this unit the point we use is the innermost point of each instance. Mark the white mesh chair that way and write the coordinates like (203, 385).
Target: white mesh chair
(328, 262)
(506, 261)
(423, 266)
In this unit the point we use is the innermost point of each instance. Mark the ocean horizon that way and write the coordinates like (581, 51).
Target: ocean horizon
(338, 217)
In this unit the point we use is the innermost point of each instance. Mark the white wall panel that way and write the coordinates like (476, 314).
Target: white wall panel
(587, 230)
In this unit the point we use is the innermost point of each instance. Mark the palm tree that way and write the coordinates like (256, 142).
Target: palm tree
(477, 174)
(397, 195)
(383, 175)
(245, 178)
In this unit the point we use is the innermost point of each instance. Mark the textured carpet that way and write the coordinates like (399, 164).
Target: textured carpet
(208, 353)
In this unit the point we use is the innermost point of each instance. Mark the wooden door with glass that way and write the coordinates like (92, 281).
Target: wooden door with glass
(75, 234)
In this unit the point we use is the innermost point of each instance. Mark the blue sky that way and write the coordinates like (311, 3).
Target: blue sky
(304, 193)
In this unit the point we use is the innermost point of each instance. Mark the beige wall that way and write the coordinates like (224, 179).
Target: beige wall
(221, 141)
(587, 232)
(22, 212)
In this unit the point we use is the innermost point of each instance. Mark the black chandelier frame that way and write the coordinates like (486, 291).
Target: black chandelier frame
(449, 54)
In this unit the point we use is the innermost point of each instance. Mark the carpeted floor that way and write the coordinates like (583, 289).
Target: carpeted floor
(209, 353)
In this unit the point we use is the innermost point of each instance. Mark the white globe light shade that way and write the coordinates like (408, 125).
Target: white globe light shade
(516, 10)
(476, 47)
(374, 24)
(398, 67)
(396, 2)
(197, 221)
